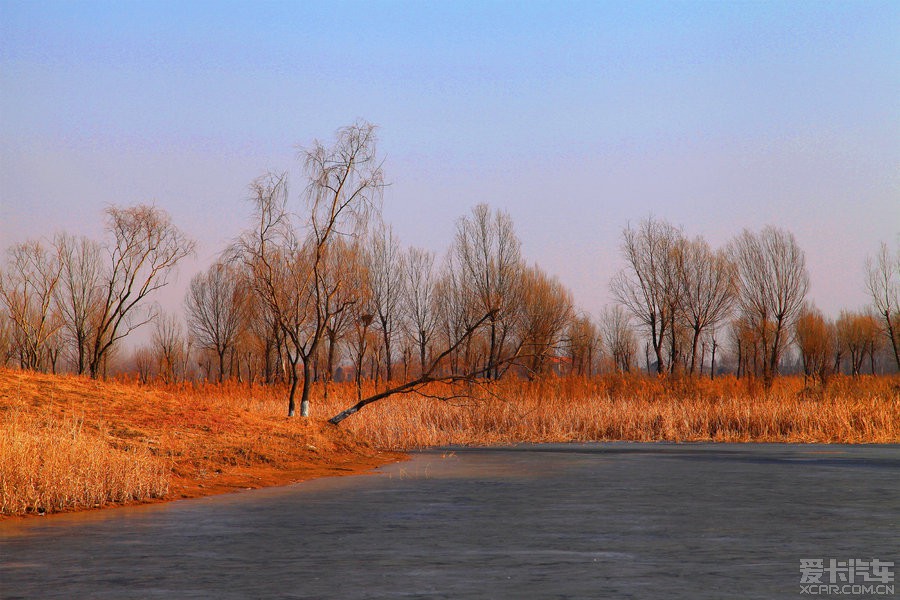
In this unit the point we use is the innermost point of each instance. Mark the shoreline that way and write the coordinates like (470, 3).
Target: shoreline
(252, 477)
(256, 477)
(240, 480)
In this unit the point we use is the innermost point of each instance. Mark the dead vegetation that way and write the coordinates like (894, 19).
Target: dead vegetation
(74, 443)
(636, 408)
(71, 443)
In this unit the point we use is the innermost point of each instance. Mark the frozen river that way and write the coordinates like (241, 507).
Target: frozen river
(617, 520)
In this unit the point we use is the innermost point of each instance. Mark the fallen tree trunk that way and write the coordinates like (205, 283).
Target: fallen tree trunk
(427, 376)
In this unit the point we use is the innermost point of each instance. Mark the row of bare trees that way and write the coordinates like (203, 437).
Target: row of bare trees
(680, 293)
(676, 289)
(303, 292)
(850, 343)
(324, 288)
(75, 299)
(856, 337)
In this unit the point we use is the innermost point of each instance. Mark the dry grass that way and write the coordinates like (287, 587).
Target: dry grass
(862, 410)
(69, 442)
(51, 464)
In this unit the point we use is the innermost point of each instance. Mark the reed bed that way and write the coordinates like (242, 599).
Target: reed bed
(612, 407)
(53, 464)
(863, 410)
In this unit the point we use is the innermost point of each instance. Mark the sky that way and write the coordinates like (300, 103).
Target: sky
(576, 118)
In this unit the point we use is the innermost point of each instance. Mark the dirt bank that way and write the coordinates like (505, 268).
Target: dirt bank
(71, 443)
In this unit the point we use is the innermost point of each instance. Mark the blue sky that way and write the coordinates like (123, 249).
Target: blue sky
(577, 118)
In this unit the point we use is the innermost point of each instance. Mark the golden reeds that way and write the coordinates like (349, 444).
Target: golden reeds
(861, 410)
(53, 463)
(613, 407)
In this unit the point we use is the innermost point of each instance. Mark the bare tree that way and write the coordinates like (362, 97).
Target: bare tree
(420, 310)
(772, 285)
(145, 251)
(216, 303)
(284, 278)
(883, 284)
(546, 310)
(143, 360)
(458, 307)
(745, 344)
(386, 282)
(360, 338)
(488, 254)
(168, 345)
(461, 320)
(79, 293)
(647, 285)
(675, 298)
(345, 185)
(815, 337)
(345, 285)
(27, 288)
(289, 273)
(708, 290)
(280, 275)
(618, 336)
(263, 337)
(483, 269)
(583, 344)
(857, 335)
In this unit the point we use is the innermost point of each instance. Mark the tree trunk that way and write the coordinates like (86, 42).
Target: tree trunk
(329, 367)
(359, 365)
(673, 351)
(307, 384)
(694, 352)
(702, 358)
(492, 368)
(221, 354)
(359, 378)
(374, 370)
(646, 356)
(773, 361)
(387, 354)
(421, 356)
(82, 366)
(590, 361)
(657, 343)
(293, 392)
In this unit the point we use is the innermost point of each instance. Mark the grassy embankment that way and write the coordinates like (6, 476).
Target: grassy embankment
(71, 443)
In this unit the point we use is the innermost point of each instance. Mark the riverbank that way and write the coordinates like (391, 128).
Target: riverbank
(71, 443)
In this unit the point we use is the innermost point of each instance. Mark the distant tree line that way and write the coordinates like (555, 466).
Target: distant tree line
(69, 302)
(324, 290)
